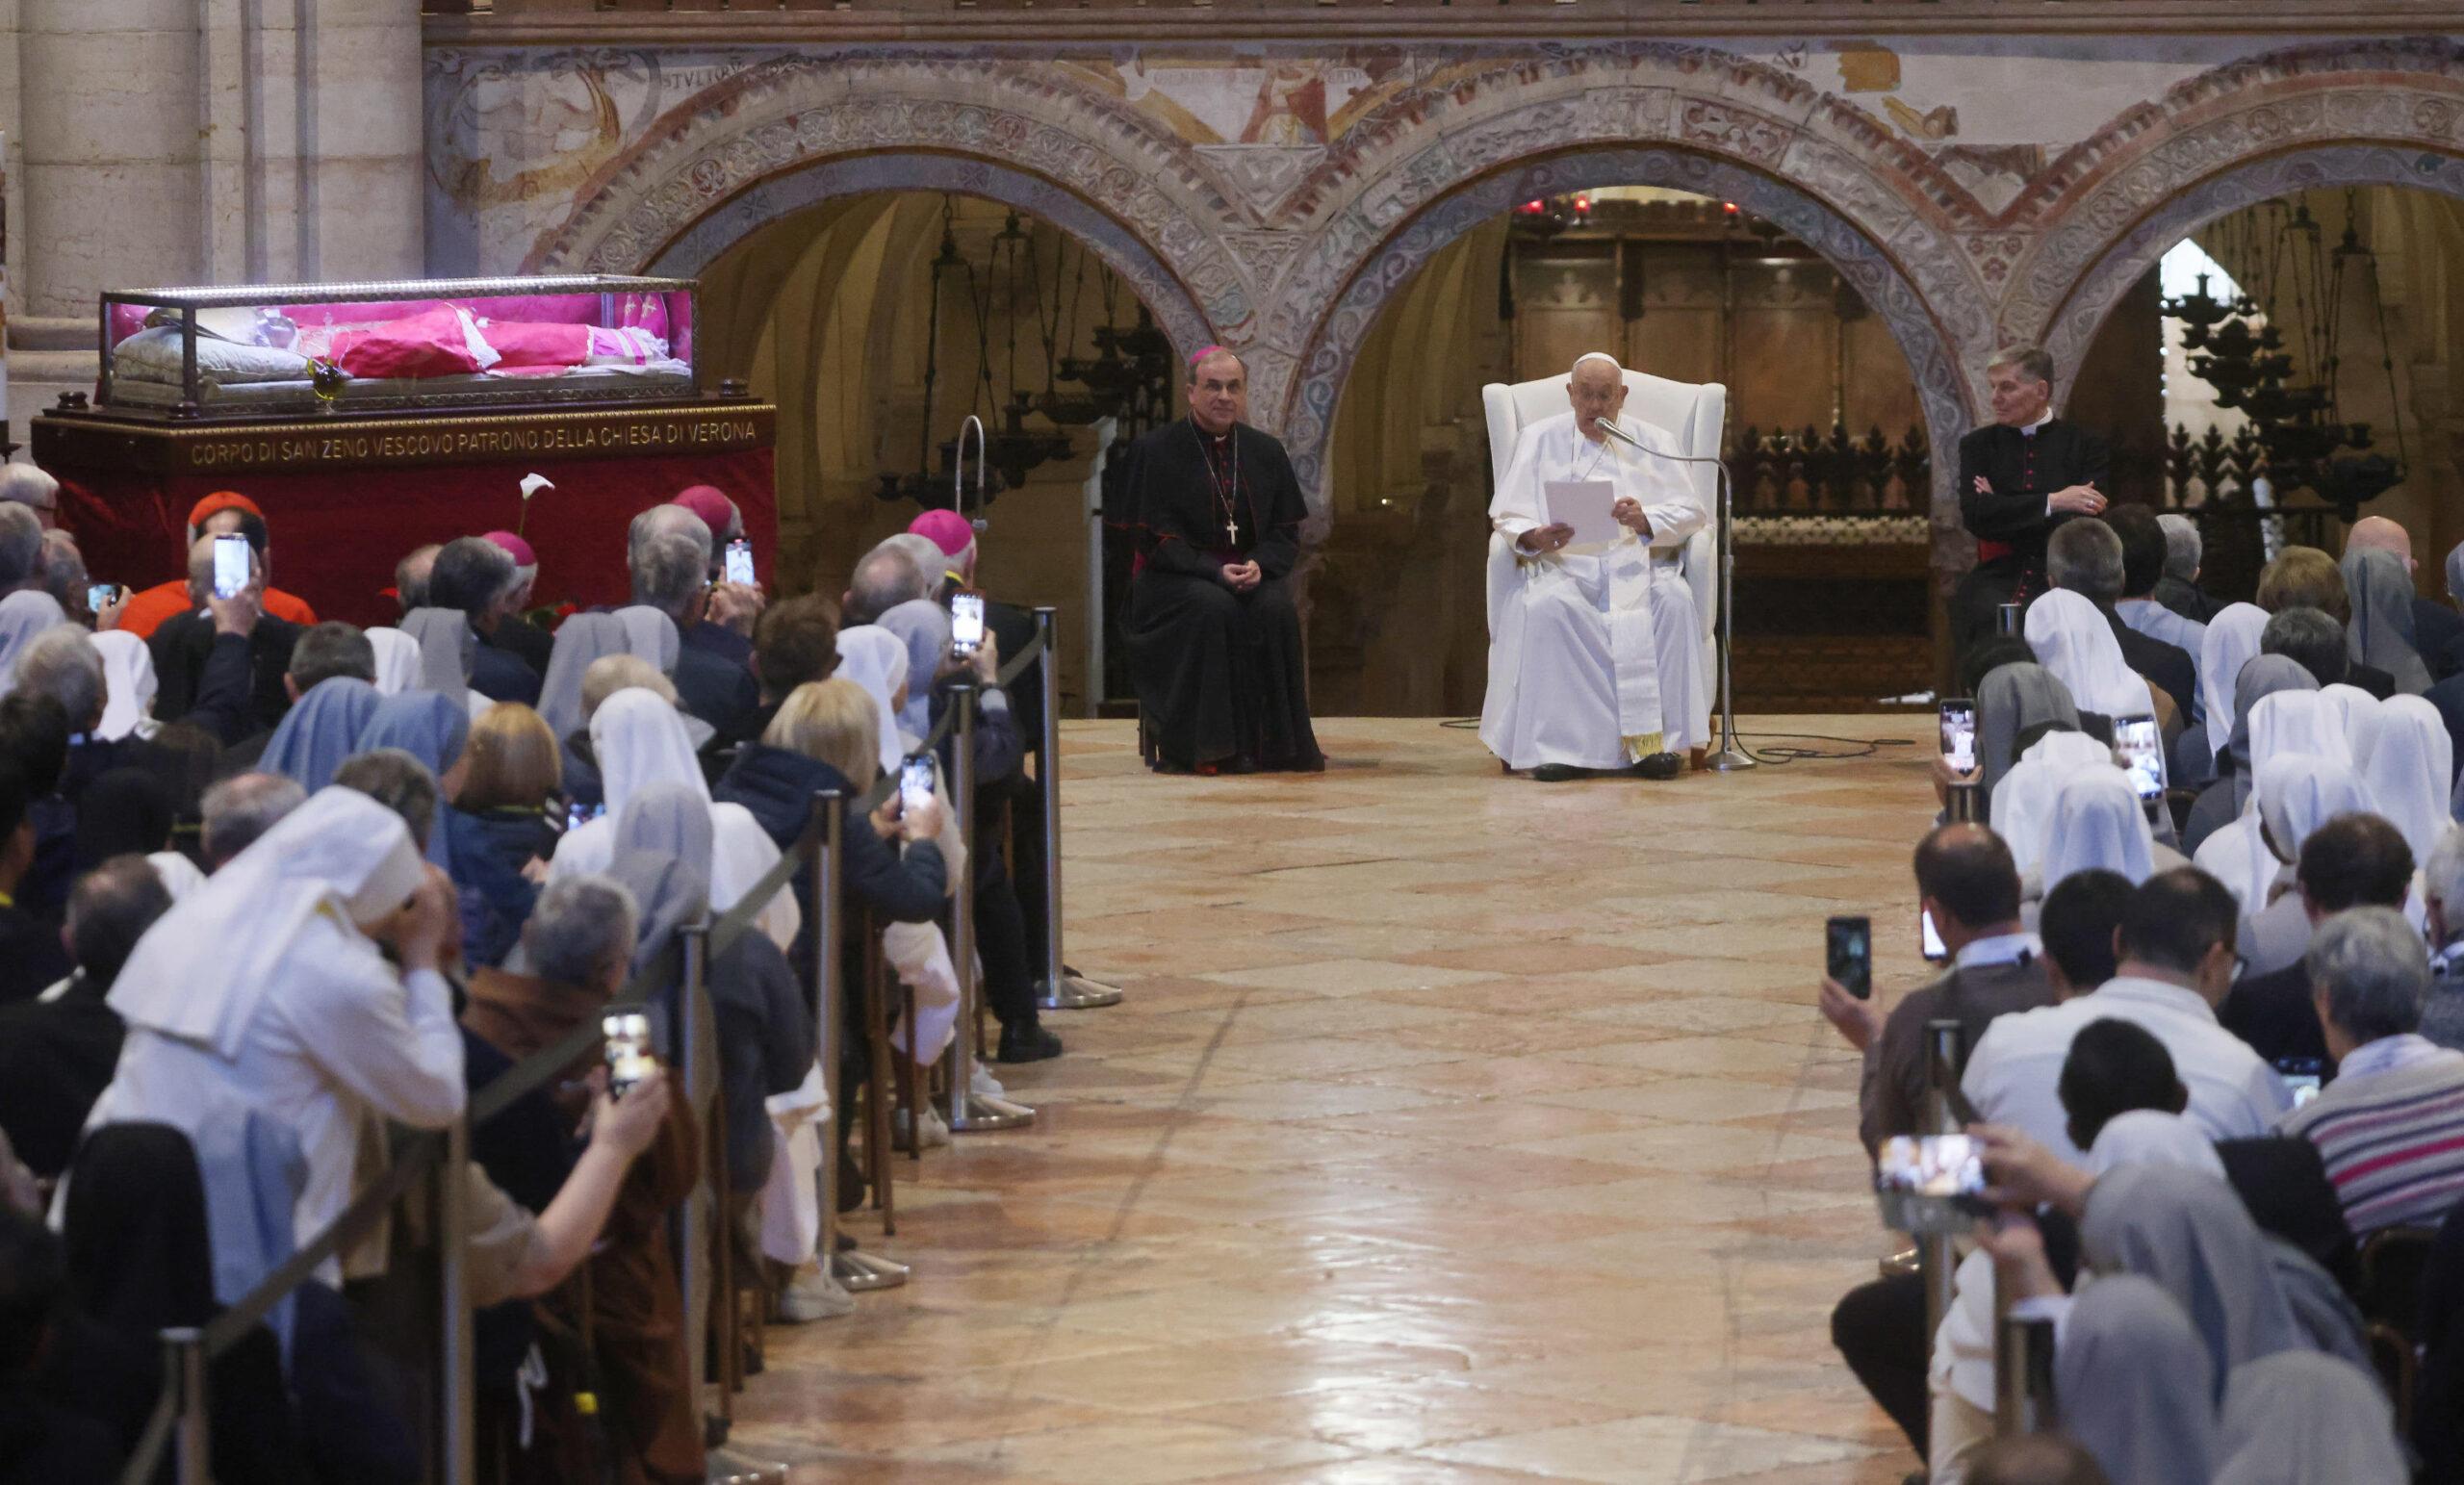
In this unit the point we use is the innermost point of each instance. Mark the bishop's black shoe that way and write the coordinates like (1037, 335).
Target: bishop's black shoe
(1659, 765)
(1027, 1045)
(1556, 773)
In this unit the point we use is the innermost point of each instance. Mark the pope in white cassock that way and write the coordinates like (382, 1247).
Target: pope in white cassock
(1595, 656)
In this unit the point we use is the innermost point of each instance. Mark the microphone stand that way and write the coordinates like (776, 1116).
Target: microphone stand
(1731, 758)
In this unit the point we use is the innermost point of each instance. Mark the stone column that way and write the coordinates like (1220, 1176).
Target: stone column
(200, 141)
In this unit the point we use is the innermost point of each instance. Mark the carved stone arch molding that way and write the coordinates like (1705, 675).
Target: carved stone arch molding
(1938, 315)
(2381, 113)
(790, 132)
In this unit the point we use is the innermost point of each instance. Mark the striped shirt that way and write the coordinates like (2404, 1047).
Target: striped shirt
(2392, 1140)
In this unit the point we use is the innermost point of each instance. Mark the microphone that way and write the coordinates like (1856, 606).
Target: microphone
(1610, 428)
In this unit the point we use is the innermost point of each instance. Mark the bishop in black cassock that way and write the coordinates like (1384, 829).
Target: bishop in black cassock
(2020, 475)
(1214, 640)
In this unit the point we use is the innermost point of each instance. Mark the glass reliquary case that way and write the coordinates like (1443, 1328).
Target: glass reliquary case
(252, 351)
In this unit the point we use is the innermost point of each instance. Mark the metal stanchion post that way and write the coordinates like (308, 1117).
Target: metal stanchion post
(457, 1444)
(694, 1075)
(969, 1111)
(1937, 1259)
(2024, 1399)
(192, 1439)
(1057, 990)
(854, 1272)
(1731, 757)
(1964, 802)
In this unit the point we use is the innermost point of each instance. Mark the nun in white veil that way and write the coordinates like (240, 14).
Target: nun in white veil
(262, 990)
(639, 739)
(2098, 823)
(2073, 639)
(2022, 803)
(874, 658)
(2407, 762)
(2351, 708)
(398, 660)
(128, 685)
(2298, 792)
(2232, 642)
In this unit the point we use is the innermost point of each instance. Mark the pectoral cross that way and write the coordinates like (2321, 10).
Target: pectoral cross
(1232, 531)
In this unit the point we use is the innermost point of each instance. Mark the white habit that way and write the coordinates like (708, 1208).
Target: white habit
(1595, 651)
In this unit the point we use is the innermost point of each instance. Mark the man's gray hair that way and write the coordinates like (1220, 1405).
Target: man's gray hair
(581, 931)
(2085, 556)
(887, 577)
(411, 574)
(2032, 362)
(63, 663)
(24, 485)
(2443, 878)
(668, 570)
(396, 779)
(64, 571)
(328, 650)
(930, 560)
(471, 573)
(667, 521)
(242, 807)
(21, 547)
(2374, 970)
(2184, 546)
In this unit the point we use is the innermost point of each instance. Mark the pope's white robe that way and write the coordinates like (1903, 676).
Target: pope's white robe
(1595, 651)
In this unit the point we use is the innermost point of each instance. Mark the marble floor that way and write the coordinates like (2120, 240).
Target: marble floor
(1456, 1130)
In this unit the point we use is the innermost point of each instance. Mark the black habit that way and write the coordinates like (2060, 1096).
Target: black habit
(1221, 677)
(2007, 516)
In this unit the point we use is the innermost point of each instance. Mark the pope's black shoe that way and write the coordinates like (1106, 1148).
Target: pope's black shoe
(1659, 765)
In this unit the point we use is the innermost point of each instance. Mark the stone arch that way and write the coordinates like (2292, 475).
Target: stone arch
(1936, 352)
(792, 131)
(2386, 114)
(777, 197)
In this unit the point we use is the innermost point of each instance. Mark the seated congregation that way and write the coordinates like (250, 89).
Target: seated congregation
(2212, 1049)
(269, 885)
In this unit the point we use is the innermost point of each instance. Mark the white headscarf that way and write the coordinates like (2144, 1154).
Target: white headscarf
(2073, 639)
(129, 684)
(2022, 803)
(2298, 792)
(2408, 766)
(640, 741)
(23, 615)
(2350, 707)
(2097, 822)
(875, 660)
(2232, 639)
(341, 851)
(2295, 722)
(650, 635)
(398, 659)
(2148, 1136)
(580, 640)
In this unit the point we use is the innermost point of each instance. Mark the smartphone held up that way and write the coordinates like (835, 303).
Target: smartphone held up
(629, 1050)
(1848, 954)
(231, 566)
(966, 623)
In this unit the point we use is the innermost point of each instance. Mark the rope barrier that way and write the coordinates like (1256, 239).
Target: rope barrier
(416, 1154)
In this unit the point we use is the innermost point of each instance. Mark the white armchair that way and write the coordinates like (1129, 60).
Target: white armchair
(1695, 414)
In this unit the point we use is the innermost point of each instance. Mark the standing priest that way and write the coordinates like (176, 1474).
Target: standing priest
(2020, 475)
(1595, 649)
(1214, 640)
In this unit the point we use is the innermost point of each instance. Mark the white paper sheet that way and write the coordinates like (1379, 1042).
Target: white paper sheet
(1584, 505)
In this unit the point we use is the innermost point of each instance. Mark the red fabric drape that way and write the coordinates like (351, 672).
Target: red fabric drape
(337, 533)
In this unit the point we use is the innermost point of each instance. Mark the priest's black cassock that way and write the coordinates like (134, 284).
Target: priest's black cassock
(1220, 676)
(2021, 469)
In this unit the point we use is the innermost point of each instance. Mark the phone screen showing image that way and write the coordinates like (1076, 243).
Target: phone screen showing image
(740, 562)
(966, 623)
(1959, 734)
(1848, 954)
(2302, 1076)
(1929, 941)
(1929, 1183)
(579, 814)
(915, 782)
(99, 597)
(230, 566)
(629, 1050)
(2143, 754)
